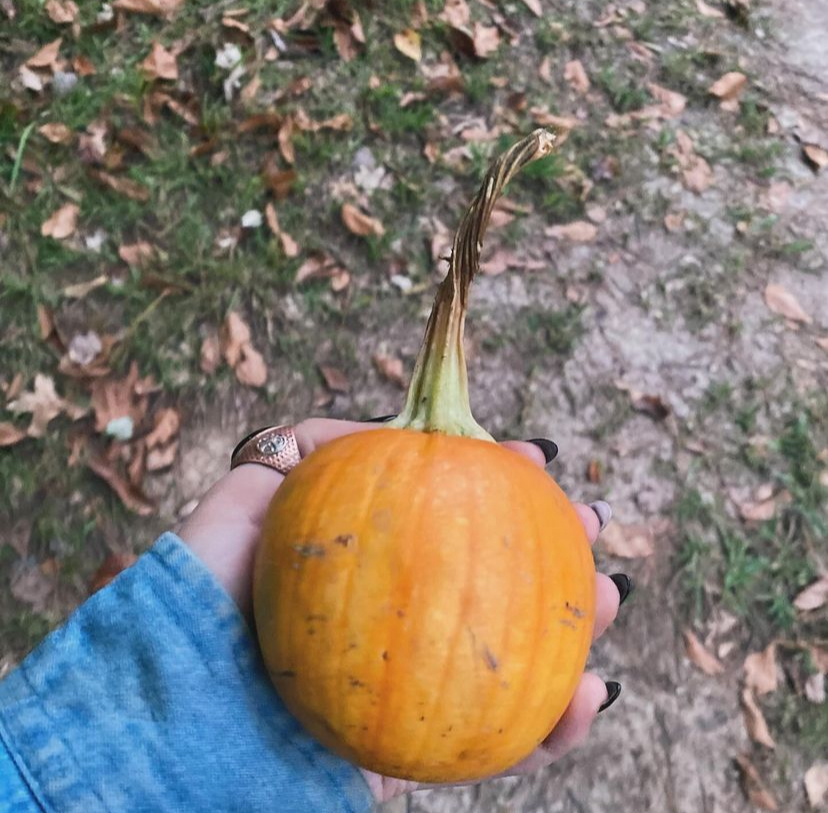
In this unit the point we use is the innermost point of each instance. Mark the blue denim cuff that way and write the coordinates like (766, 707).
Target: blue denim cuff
(153, 697)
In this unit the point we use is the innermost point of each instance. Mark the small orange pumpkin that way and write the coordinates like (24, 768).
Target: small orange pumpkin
(424, 598)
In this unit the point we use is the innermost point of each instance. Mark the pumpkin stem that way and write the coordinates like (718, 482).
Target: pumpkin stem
(438, 396)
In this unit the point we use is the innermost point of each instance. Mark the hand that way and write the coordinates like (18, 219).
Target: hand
(224, 531)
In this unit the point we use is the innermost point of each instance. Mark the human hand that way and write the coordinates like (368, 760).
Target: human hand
(224, 531)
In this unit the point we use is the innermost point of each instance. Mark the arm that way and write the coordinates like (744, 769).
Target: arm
(152, 697)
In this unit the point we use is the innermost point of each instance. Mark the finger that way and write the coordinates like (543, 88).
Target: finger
(540, 451)
(607, 601)
(572, 729)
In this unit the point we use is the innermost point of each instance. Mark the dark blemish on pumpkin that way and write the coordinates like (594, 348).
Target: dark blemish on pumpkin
(309, 550)
(355, 682)
(385, 655)
(504, 684)
(365, 728)
(311, 631)
(352, 645)
(344, 540)
(499, 730)
(567, 623)
(316, 617)
(576, 611)
(286, 673)
(422, 719)
(491, 660)
(400, 613)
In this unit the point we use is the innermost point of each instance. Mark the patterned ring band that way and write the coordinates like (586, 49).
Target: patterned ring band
(273, 446)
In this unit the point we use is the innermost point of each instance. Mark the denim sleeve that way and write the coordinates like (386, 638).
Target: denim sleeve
(153, 697)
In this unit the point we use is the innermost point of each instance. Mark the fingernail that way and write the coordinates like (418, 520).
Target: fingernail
(624, 584)
(380, 419)
(613, 690)
(548, 447)
(603, 512)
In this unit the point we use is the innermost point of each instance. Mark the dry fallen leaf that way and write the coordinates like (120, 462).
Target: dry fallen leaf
(760, 671)
(673, 221)
(575, 74)
(317, 266)
(815, 688)
(759, 511)
(162, 457)
(535, 7)
(653, 405)
(391, 368)
(335, 379)
(10, 434)
(781, 301)
(456, 13)
(279, 181)
(816, 156)
(62, 223)
(486, 39)
(109, 569)
(117, 405)
(628, 541)
(159, 8)
(753, 786)
(581, 231)
(46, 56)
(251, 369)
(409, 43)
(813, 597)
(160, 64)
(56, 132)
(672, 103)
(137, 254)
(359, 223)
(289, 245)
(123, 186)
(696, 173)
(44, 404)
(729, 88)
(81, 289)
(755, 723)
(131, 496)
(234, 335)
(61, 11)
(167, 424)
(701, 657)
(708, 11)
(816, 783)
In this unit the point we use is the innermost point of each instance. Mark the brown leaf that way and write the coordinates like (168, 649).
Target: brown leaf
(340, 280)
(46, 56)
(131, 496)
(580, 231)
(456, 13)
(279, 181)
(813, 597)
(409, 43)
(210, 355)
(391, 368)
(159, 8)
(628, 541)
(317, 266)
(235, 333)
(346, 44)
(815, 155)
(696, 173)
(816, 783)
(285, 141)
(755, 723)
(289, 245)
(137, 254)
(56, 132)
(575, 74)
(701, 657)
(162, 457)
(486, 39)
(83, 66)
(160, 64)
(114, 564)
(501, 260)
(61, 11)
(781, 301)
(672, 102)
(167, 424)
(759, 511)
(92, 145)
(43, 403)
(729, 88)
(10, 434)
(753, 786)
(335, 380)
(708, 11)
(123, 186)
(62, 223)
(535, 7)
(760, 671)
(251, 369)
(652, 405)
(117, 406)
(359, 223)
(673, 221)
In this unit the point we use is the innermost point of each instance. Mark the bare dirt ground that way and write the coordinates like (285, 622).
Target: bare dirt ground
(675, 314)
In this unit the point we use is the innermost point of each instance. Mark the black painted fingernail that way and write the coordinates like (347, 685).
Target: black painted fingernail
(613, 690)
(603, 512)
(380, 419)
(624, 584)
(548, 447)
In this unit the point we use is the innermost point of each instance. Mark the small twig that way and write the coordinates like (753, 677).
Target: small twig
(18, 159)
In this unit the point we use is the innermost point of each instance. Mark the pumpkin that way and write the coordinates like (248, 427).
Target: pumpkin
(424, 597)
